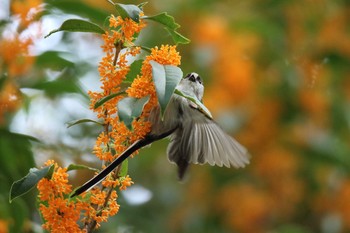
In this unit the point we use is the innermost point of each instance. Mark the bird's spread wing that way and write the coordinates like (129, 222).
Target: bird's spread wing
(210, 144)
(200, 141)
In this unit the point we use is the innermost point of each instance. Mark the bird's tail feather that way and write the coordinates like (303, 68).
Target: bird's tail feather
(131, 149)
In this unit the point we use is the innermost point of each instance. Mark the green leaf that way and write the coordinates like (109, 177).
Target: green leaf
(141, 5)
(18, 136)
(177, 37)
(72, 167)
(24, 185)
(86, 197)
(78, 25)
(135, 69)
(169, 22)
(165, 78)
(130, 108)
(52, 60)
(76, 122)
(16, 155)
(147, 49)
(50, 172)
(124, 169)
(292, 228)
(3, 23)
(79, 8)
(128, 11)
(65, 83)
(166, 20)
(196, 101)
(3, 79)
(103, 100)
(20, 213)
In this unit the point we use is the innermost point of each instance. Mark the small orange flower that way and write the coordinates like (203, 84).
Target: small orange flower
(126, 182)
(15, 55)
(60, 214)
(3, 226)
(98, 197)
(102, 210)
(110, 183)
(113, 71)
(16, 61)
(10, 100)
(113, 206)
(165, 55)
(27, 10)
(56, 186)
(128, 27)
(143, 85)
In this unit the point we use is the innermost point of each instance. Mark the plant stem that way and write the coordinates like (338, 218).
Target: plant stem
(118, 46)
(90, 227)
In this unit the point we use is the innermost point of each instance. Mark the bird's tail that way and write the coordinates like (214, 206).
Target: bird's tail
(131, 149)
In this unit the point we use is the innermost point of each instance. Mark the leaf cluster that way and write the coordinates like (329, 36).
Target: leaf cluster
(125, 11)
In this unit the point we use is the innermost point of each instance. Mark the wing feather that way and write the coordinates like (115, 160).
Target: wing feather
(218, 147)
(200, 140)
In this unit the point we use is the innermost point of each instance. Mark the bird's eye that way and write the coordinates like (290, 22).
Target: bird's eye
(199, 79)
(192, 78)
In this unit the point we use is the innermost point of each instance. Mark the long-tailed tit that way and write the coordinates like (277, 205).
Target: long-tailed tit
(194, 136)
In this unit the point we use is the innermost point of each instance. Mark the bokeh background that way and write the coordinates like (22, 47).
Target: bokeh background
(277, 78)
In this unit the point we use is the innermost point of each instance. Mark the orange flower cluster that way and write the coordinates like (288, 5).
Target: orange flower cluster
(143, 85)
(15, 60)
(101, 206)
(9, 100)
(112, 75)
(129, 28)
(60, 214)
(117, 137)
(113, 69)
(14, 53)
(27, 10)
(126, 182)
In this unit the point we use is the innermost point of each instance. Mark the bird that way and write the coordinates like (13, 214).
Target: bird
(195, 138)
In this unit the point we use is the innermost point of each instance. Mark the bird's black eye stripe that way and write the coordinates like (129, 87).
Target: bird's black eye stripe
(188, 75)
(192, 78)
